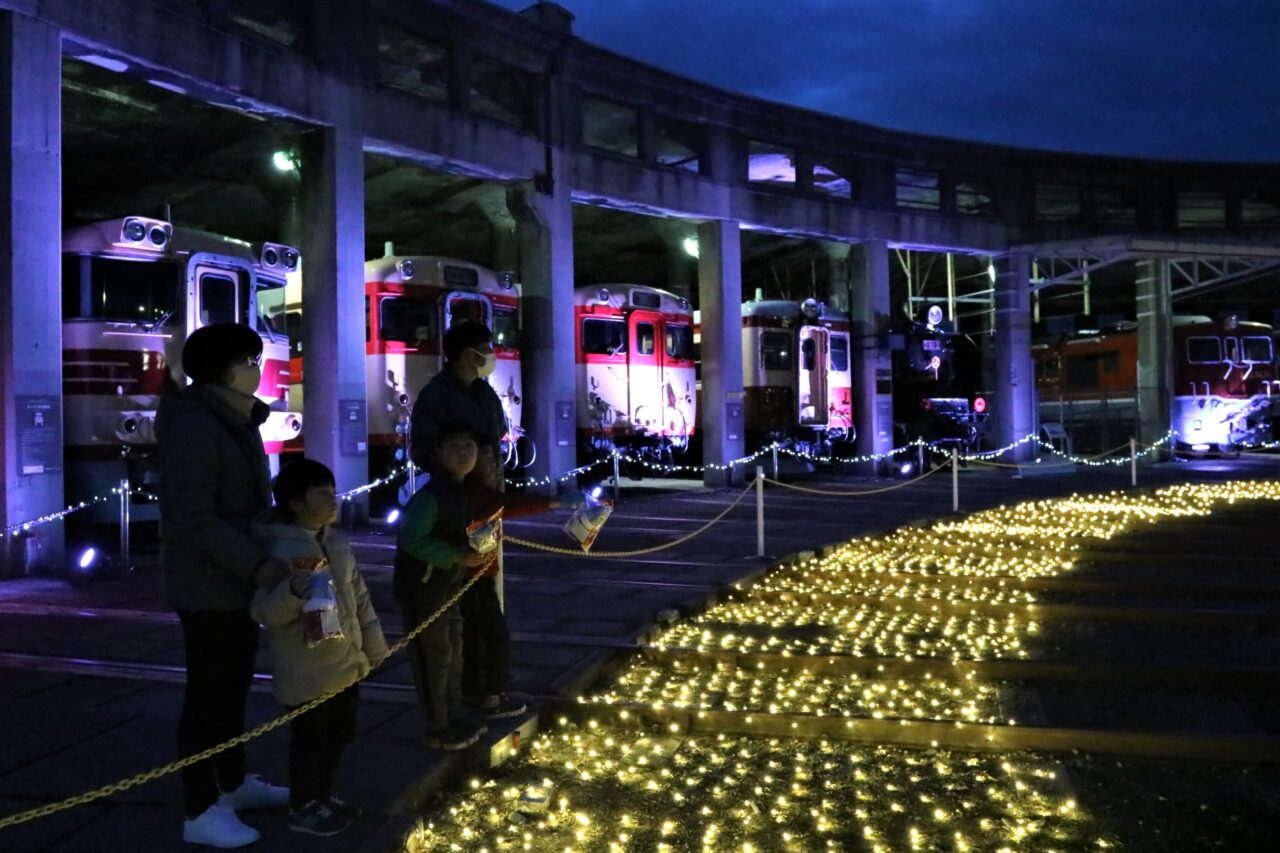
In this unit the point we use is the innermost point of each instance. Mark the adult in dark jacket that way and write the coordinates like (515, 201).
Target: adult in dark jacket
(214, 479)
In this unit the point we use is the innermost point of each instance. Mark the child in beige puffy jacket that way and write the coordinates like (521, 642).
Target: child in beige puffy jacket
(325, 636)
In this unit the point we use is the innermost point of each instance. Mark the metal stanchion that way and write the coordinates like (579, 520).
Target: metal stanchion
(616, 477)
(124, 525)
(1133, 462)
(759, 511)
(955, 480)
(920, 456)
(775, 460)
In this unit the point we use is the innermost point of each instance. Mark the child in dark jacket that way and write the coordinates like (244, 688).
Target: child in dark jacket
(434, 560)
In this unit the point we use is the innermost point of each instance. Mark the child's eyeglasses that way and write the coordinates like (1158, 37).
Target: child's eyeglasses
(253, 360)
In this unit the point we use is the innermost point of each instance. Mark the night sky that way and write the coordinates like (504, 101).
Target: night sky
(1170, 79)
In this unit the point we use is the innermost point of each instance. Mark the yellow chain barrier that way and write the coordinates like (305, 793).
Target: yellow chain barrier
(570, 552)
(854, 494)
(158, 772)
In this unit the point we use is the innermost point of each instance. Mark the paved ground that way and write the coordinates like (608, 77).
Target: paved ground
(92, 677)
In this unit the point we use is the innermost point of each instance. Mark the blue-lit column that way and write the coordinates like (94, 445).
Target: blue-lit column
(1155, 348)
(31, 476)
(544, 230)
(335, 421)
(720, 303)
(868, 272)
(1015, 390)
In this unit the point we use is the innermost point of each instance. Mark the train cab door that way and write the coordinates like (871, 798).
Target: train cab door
(644, 370)
(811, 370)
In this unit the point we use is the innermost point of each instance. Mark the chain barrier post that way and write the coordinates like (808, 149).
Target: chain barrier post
(955, 479)
(1133, 462)
(616, 476)
(920, 455)
(124, 525)
(759, 511)
(775, 460)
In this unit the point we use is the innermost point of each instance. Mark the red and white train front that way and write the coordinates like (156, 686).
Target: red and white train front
(410, 303)
(132, 290)
(1224, 381)
(797, 377)
(636, 375)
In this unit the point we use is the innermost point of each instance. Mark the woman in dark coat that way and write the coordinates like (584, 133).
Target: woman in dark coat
(214, 479)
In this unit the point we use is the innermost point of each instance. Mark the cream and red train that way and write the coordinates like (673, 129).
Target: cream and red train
(1224, 381)
(132, 290)
(796, 374)
(637, 382)
(410, 302)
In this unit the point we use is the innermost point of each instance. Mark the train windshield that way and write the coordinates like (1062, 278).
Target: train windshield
(406, 320)
(271, 309)
(1204, 350)
(114, 289)
(1257, 350)
(680, 342)
(839, 353)
(603, 337)
(776, 350)
(504, 327)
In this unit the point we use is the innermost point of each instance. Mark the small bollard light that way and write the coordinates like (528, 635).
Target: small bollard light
(88, 557)
(393, 516)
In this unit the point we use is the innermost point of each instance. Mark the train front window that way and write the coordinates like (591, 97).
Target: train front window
(1204, 350)
(1257, 350)
(680, 342)
(505, 327)
(112, 289)
(775, 350)
(839, 353)
(461, 308)
(406, 320)
(644, 338)
(603, 337)
(217, 299)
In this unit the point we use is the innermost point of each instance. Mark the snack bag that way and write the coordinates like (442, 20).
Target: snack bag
(585, 523)
(485, 534)
(320, 610)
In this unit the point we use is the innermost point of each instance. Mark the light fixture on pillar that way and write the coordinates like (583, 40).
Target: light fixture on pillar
(691, 246)
(284, 161)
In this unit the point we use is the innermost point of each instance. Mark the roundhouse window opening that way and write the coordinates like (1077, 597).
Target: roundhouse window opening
(1058, 203)
(678, 144)
(610, 126)
(1113, 206)
(1202, 210)
(413, 64)
(832, 180)
(503, 93)
(770, 164)
(1260, 210)
(918, 190)
(975, 198)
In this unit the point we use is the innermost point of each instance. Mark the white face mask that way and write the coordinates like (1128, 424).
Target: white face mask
(486, 367)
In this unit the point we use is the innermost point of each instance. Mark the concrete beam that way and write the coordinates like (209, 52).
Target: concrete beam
(1155, 349)
(1015, 385)
(544, 229)
(31, 467)
(720, 298)
(868, 269)
(335, 420)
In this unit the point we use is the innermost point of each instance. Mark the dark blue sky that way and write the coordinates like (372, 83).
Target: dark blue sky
(1174, 79)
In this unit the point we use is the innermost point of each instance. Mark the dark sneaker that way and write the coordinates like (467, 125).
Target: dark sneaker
(342, 807)
(453, 737)
(317, 818)
(501, 707)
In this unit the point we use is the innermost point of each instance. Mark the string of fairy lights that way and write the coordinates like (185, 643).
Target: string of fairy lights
(606, 781)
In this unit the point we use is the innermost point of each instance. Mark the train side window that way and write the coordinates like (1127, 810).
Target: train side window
(1204, 350)
(271, 309)
(1110, 363)
(808, 354)
(217, 299)
(839, 353)
(406, 320)
(1258, 350)
(603, 337)
(680, 342)
(1082, 373)
(644, 338)
(293, 328)
(775, 350)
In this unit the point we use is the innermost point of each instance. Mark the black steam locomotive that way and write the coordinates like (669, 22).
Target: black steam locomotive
(937, 385)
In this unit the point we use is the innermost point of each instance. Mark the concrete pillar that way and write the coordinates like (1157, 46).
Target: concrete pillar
(838, 280)
(1155, 350)
(31, 477)
(1015, 385)
(335, 421)
(544, 228)
(868, 270)
(720, 300)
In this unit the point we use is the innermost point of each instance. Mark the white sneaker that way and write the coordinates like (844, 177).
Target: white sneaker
(254, 793)
(218, 827)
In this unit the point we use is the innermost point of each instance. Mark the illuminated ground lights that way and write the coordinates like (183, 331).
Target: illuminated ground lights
(596, 787)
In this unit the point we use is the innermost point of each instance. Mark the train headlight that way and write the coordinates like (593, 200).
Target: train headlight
(134, 231)
(270, 256)
(602, 295)
(406, 269)
(291, 259)
(979, 405)
(811, 308)
(292, 424)
(158, 236)
(926, 404)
